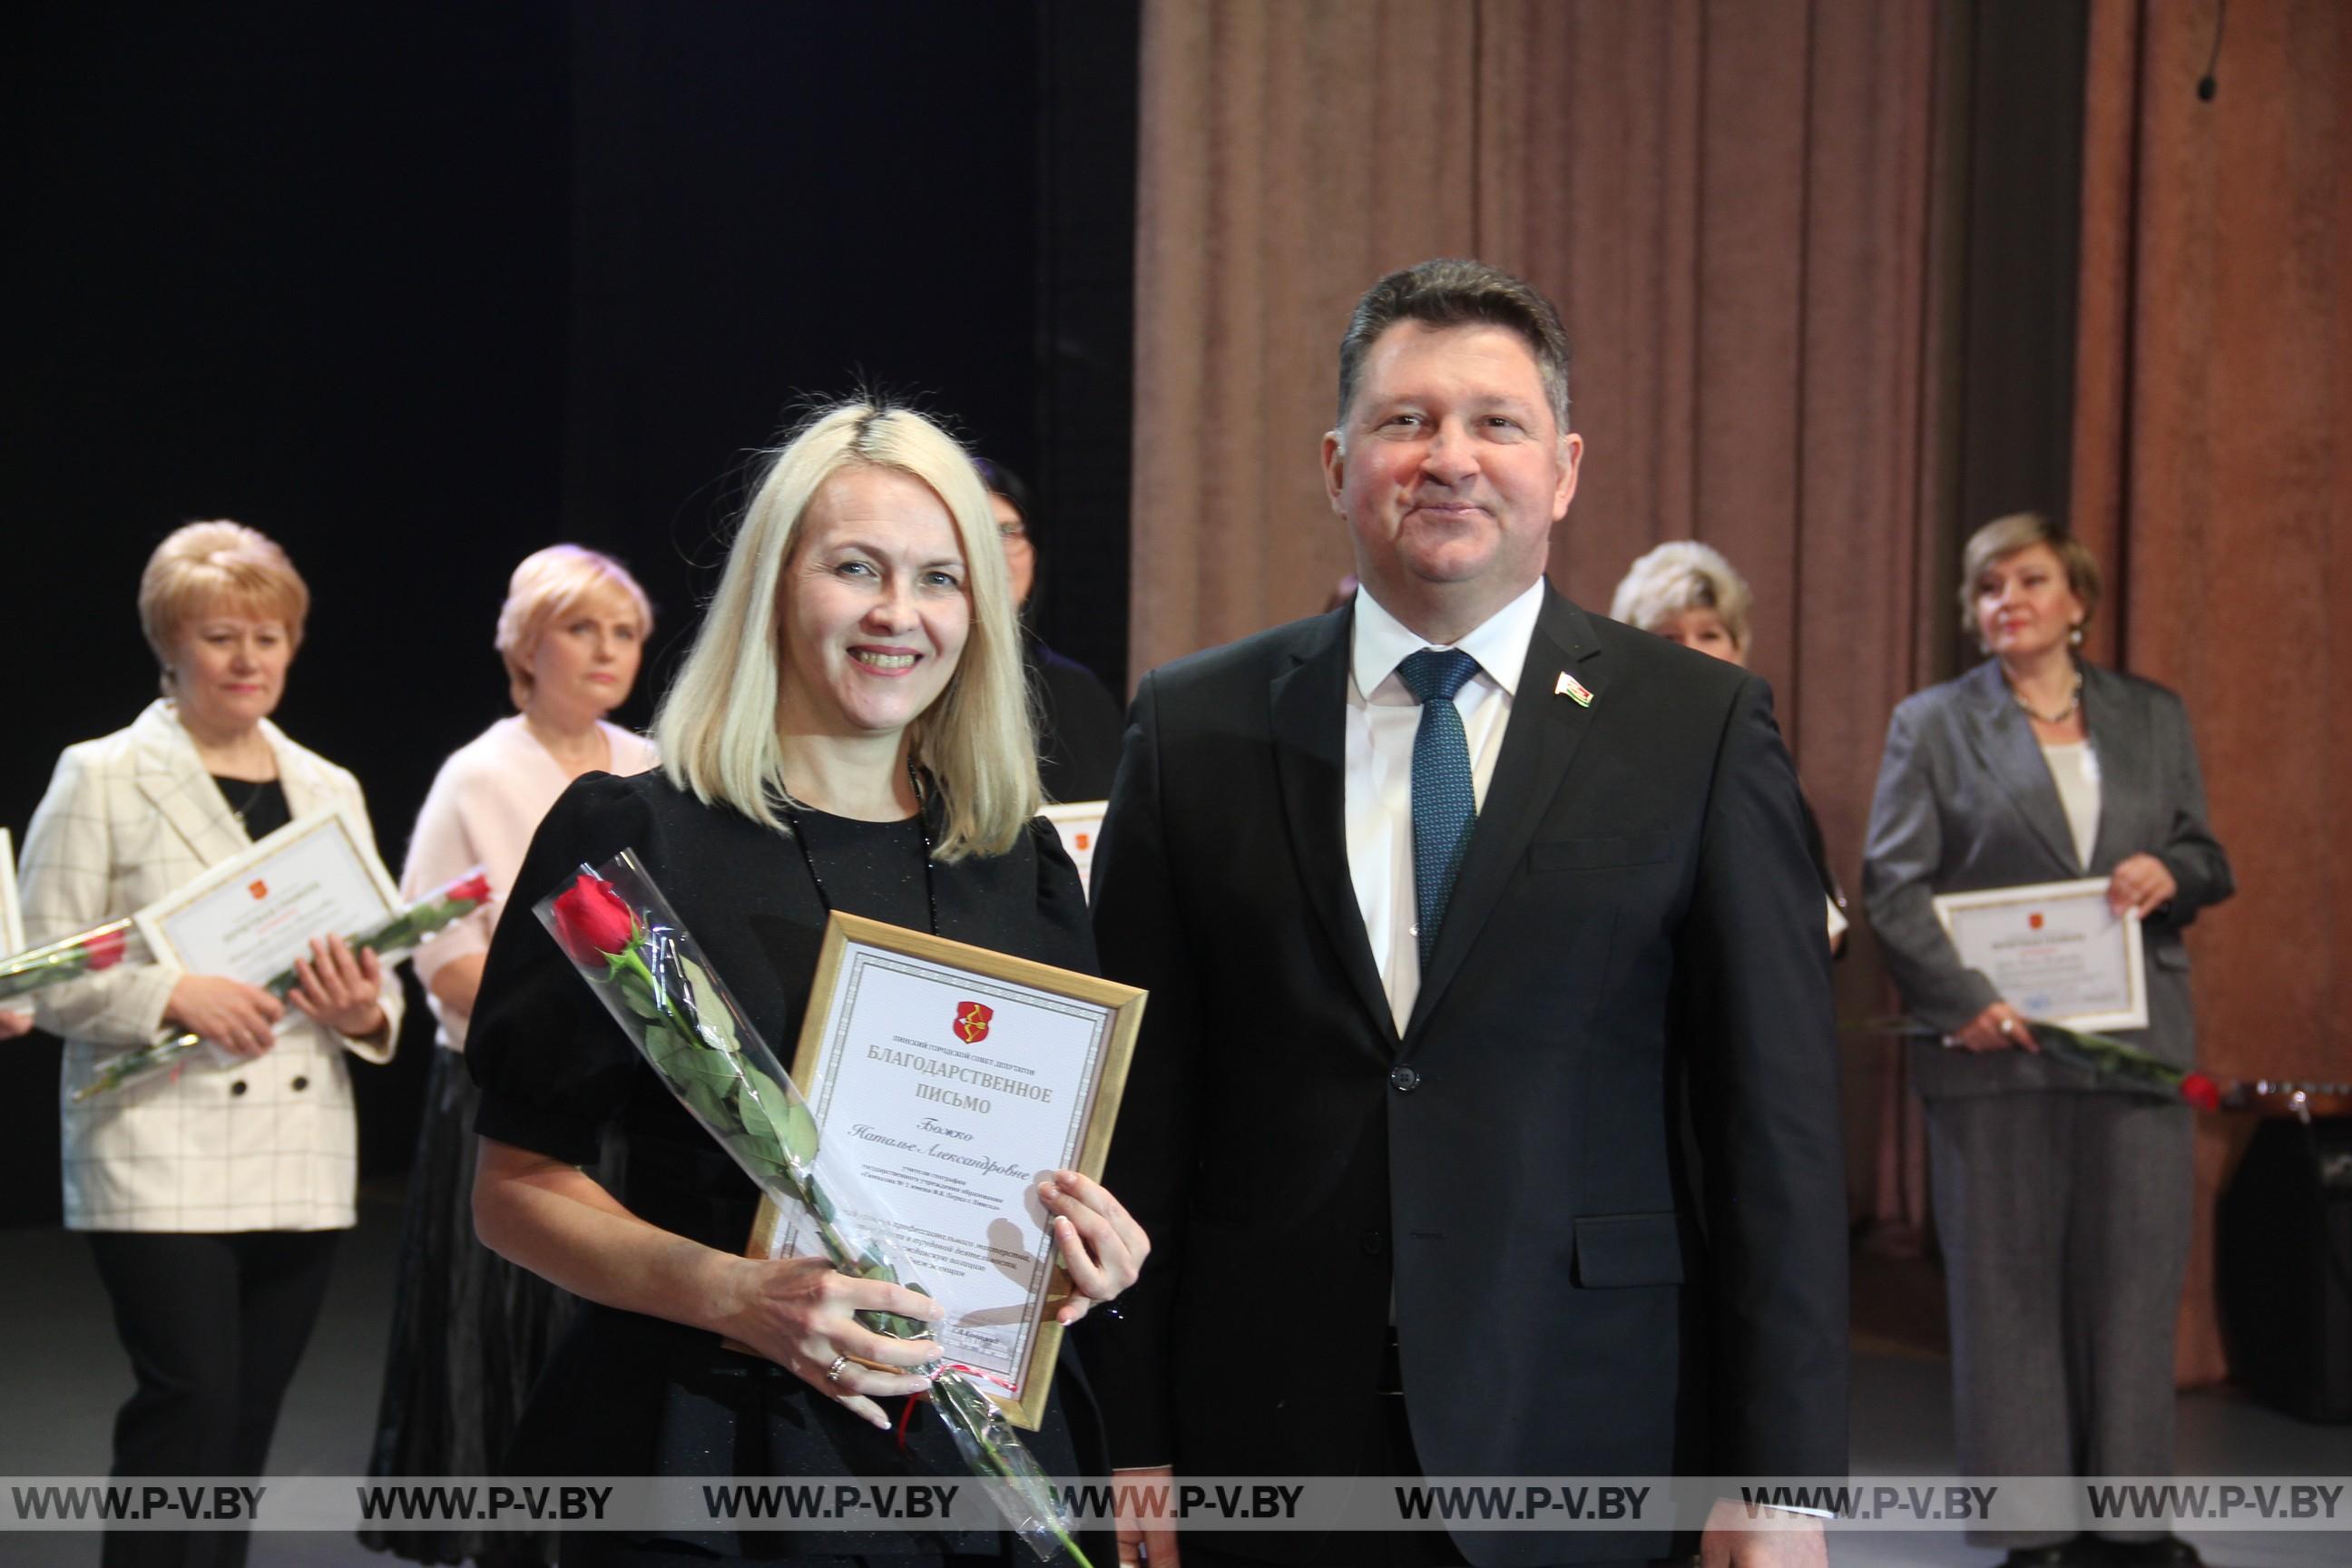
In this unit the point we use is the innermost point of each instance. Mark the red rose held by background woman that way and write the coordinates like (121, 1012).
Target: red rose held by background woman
(591, 921)
(472, 890)
(104, 953)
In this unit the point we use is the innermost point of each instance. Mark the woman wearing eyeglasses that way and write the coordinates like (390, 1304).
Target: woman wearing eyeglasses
(1078, 722)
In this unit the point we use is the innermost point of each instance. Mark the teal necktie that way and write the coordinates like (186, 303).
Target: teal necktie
(1444, 802)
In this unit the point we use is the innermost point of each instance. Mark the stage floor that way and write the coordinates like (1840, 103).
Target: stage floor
(63, 1376)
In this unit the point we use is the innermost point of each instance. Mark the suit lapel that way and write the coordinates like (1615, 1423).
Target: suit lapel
(174, 779)
(2005, 744)
(1310, 703)
(306, 787)
(2119, 730)
(1546, 729)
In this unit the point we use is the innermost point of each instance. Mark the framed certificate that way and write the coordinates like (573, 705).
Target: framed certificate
(1080, 824)
(2054, 951)
(12, 912)
(251, 917)
(960, 1075)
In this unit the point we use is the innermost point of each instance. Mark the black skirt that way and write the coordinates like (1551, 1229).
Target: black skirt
(470, 1334)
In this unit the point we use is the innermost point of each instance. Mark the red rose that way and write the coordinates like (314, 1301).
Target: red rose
(474, 889)
(2201, 1091)
(103, 952)
(591, 921)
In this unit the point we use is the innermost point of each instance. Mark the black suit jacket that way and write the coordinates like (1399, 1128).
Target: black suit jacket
(1600, 1169)
(1078, 725)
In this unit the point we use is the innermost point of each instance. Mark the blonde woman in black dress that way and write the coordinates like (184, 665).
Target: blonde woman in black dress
(850, 731)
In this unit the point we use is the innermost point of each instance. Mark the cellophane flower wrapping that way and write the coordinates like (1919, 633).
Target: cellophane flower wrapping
(2110, 1062)
(393, 940)
(69, 957)
(2120, 1065)
(621, 936)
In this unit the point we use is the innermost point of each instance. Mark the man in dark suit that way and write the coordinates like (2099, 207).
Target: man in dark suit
(1484, 1118)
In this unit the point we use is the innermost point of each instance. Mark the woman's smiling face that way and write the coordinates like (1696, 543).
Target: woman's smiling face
(874, 607)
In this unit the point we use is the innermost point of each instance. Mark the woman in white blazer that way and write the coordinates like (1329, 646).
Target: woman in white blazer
(211, 1195)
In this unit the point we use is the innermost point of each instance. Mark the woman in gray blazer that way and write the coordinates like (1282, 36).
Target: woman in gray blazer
(211, 1195)
(2062, 1207)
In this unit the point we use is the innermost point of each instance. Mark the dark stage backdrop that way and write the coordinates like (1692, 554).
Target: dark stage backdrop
(417, 290)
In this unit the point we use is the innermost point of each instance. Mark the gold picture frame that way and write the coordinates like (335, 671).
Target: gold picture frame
(870, 974)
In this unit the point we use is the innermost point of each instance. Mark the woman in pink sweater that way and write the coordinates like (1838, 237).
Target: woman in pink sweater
(470, 1331)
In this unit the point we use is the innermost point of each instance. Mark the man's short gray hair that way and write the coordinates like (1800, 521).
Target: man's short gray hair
(1458, 293)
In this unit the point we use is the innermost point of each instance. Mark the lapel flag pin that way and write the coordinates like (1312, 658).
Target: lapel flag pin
(1571, 687)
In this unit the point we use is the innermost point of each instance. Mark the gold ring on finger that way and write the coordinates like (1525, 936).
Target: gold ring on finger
(832, 1373)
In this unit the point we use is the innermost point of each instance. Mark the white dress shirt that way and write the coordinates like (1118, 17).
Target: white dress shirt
(1382, 718)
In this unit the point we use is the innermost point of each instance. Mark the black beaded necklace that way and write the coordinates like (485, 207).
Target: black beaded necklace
(2074, 703)
(923, 821)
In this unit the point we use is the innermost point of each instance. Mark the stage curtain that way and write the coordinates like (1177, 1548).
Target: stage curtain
(1290, 154)
(1735, 206)
(2213, 473)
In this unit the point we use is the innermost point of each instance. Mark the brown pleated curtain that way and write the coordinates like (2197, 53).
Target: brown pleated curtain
(1732, 204)
(2213, 473)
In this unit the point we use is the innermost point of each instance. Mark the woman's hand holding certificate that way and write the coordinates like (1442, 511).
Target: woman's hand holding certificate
(240, 1019)
(803, 1313)
(1099, 1244)
(340, 988)
(2142, 884)
(2070, 953)
(336, 983)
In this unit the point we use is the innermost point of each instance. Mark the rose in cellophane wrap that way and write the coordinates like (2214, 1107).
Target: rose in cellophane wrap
(621, 934)
(69, 957)
(393, 940)
(2120, 1065)
(2110, 1063)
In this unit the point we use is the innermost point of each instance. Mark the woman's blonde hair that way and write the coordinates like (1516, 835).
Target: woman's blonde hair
(200, 565)
(2022, 531)
(717, 726)
(1683, 576)
(548, 584)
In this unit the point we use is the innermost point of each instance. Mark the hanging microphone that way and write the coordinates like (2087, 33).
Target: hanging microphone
(2208, 85)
